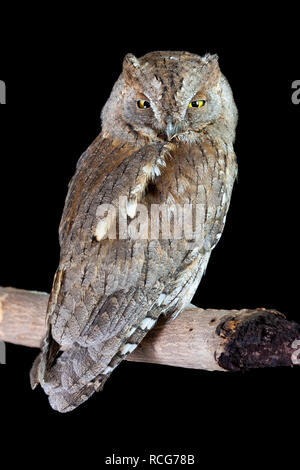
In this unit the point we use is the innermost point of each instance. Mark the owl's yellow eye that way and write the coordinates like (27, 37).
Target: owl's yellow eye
(197, 104)
(143, 104)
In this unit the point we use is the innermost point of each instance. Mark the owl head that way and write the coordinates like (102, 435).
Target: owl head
(164, 95)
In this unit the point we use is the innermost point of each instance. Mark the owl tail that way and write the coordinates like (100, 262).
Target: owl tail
(81, 371)
(71, 378)
(66, 387)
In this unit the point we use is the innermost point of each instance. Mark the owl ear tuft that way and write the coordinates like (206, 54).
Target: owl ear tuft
(131, 60)
(209, 58)
(211, 62)
(130, 66)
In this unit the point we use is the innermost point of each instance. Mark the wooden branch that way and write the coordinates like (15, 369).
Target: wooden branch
(199, 339)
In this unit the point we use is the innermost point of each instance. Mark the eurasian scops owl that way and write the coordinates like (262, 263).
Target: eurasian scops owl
(167, 137)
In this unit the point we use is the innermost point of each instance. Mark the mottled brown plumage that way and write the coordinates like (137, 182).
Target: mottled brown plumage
(108, 293)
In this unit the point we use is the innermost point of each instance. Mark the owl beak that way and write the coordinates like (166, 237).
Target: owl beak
(171, 129)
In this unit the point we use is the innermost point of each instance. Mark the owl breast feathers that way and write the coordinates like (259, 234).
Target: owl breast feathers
(144, 210)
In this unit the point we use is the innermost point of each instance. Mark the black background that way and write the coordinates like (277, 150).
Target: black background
(59, 69)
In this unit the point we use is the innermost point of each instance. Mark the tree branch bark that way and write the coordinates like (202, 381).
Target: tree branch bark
(199, 339)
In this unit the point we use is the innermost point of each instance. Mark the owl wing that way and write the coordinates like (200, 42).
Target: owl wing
(103, 288)
(92, 267)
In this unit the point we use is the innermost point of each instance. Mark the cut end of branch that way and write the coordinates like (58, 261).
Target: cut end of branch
(258, 339)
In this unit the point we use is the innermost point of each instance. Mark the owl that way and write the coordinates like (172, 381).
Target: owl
(166, 148)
